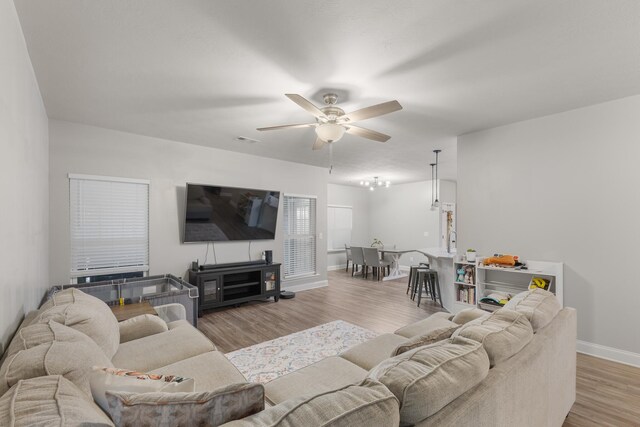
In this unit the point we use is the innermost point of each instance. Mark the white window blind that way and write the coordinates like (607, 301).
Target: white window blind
(109, 222)
(339, 224)
(299, 235)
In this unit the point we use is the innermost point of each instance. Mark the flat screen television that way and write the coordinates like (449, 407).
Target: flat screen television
(216, 213)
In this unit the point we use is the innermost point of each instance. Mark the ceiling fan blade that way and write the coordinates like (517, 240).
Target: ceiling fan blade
(301, 125)
(368, 133)
(318, 144)
(306, 105)
(372, 111)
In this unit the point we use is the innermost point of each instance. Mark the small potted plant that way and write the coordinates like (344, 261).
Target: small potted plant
(471, 255)
(377, 243)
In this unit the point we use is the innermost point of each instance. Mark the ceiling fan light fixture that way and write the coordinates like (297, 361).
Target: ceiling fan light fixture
(330, 132)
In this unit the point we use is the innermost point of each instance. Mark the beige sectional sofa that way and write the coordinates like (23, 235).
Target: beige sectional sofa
(513, 367)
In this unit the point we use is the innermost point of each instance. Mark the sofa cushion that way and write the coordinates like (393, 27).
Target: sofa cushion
(210, 370)
(155, 351)
(41, 333)
(72, 296)
(141, 326)
(326, 375)
(425, 326)
(427, 378)
(97, 322)
(72, 360)
(538, 305)
(503, 333)
(367, 404)
(49, 401)
(424, 339)
(369, 353)
(467, 315)
(120, 380)
(206, 408)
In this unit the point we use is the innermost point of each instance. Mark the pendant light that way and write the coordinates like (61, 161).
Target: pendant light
(432, 185)
(436, 202)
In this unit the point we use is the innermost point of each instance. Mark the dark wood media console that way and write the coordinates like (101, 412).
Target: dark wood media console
(230, 284)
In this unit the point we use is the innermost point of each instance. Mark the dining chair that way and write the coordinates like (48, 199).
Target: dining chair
(357, 259)
(347, 251)
(372, 259)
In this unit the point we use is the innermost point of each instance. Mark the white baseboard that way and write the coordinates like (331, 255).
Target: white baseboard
(306, 286)
(608, 353)
(336, 267)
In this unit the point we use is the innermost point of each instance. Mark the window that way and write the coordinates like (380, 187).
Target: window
(339, 223)
(299, 235)
(109, 223)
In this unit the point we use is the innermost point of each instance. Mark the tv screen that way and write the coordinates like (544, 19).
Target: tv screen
(216, 213)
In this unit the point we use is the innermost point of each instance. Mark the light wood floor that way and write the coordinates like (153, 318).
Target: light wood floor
(608, 393)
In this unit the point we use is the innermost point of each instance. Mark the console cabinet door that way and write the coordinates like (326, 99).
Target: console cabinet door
(271, 279)
(210, 286)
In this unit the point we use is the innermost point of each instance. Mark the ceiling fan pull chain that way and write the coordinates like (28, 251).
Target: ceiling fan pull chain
(330, 158)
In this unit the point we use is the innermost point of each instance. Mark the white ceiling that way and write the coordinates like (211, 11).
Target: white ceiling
(205, 72)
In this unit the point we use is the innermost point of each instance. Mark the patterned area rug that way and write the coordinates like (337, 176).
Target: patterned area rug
(269, 360)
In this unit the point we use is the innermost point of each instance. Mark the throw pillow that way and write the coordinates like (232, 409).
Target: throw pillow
(538, 305)
(73, 360)
(99, 324)
(116, 380)
(425, 339)
(49, 401)
(503, 333)
(210, 408)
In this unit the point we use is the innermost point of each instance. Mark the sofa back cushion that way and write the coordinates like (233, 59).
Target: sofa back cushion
(503, 333)
(435, 322)
(467, 315)
(425, 339)
(71, 296)
(427, 378)
(41, 333)
(366, 404)
(95, 321)
(538, 305)
(73, 359)
(49, 401)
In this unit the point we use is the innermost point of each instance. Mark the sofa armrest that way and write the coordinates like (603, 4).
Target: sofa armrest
(141, 326)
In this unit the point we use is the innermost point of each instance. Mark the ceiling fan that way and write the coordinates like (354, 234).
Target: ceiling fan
(332, 122)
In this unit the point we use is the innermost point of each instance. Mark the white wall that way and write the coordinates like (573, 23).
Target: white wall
(564, 188)
(401, 214)
(358, 199)
(169, 165)
(24, 165)
(398, 215)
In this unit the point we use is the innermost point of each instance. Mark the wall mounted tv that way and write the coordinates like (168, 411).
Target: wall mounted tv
(216, 213)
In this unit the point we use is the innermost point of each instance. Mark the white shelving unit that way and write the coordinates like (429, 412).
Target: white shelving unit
(465, 295)
(510, 280)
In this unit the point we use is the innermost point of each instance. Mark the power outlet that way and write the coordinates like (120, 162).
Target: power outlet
(411, 258)
(426, 234)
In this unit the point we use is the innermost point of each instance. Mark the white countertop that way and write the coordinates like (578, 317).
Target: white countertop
(439, 253)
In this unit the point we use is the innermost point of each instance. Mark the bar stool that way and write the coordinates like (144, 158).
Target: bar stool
(418, 281)
(428, 279)
(412, 279)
